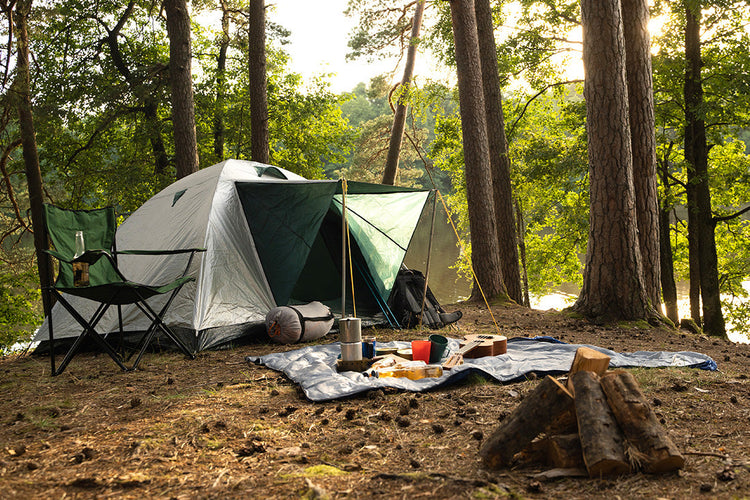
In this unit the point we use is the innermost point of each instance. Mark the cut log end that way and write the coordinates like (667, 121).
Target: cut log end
(588, 360)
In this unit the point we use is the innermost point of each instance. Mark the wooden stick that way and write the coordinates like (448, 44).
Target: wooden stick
(601, 438)
(641, 427)
(530, 418)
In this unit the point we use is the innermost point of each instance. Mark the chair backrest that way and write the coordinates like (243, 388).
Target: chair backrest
(98, 228)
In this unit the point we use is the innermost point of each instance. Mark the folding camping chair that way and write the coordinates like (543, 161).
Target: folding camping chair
(105, 284)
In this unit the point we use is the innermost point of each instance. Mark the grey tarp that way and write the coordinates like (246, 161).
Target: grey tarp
(314, 367)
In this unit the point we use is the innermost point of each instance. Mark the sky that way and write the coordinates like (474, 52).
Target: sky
(319, 41)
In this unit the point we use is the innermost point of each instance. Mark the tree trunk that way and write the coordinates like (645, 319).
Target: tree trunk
(219, 128)
(498, 144)
(181, 82)
(22, 94)
(635, 18)
(484, 248)
(668, 286)
(613, 285)
(153, 125)
(696, 156)
(602, 442)
(399, 118)
(258, 93)
(520, 225)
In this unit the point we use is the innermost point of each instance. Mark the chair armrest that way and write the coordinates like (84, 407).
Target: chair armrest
(89, 256)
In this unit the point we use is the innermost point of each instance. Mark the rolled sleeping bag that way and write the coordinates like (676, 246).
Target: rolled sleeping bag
(300, 323)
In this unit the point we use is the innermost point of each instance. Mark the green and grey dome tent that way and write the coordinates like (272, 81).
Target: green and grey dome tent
(272, 238)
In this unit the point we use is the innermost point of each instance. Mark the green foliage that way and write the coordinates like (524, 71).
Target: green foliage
(368, 110)
(19, 309)
(384, 28)
(550, 176)
(730, 169)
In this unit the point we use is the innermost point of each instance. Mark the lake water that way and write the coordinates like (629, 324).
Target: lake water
(561, 300)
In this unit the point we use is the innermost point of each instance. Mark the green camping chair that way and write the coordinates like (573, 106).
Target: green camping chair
(90, 271)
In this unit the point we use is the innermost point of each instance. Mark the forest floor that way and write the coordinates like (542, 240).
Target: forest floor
(218, 427)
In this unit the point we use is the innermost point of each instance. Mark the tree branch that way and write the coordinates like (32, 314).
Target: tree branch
(725, 218)
(537, 95)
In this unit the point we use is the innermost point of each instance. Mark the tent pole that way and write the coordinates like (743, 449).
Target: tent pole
(429, 254)
(343, 248)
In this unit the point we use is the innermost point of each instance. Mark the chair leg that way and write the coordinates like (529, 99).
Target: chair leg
(51, 334)
(88, 331)
(156, 322)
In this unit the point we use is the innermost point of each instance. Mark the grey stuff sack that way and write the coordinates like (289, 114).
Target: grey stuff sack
(294, 324)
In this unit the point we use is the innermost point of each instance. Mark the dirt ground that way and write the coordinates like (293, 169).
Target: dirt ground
(218, 427)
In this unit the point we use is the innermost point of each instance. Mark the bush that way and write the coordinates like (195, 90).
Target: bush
(20, 308)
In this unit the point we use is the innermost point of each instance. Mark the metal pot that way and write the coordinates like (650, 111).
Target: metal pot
(350, 330)
(351, 351)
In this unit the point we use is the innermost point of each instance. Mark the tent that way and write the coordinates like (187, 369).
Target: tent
(272, 238)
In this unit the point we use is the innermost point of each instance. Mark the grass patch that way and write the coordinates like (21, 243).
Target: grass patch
(323, 470)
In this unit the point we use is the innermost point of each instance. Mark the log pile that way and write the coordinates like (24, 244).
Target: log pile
(599, 421)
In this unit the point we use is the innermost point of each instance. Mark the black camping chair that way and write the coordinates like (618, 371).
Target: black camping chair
(84, 245)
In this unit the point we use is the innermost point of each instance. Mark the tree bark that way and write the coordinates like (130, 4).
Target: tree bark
(613, 285)
(22, 96)
(602, 441)
(696, 156)
(536, 412)
(219, 129)
(181, 82)
(668, 285)
(259, 146)
(635, 18)
(484, 248)
(658, 453)
(399, 117)
(499, 158)
(521, 226)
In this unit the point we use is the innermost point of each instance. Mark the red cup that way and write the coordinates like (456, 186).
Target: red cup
(420, 350)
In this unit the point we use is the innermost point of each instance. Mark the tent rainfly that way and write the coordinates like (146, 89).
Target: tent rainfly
(272, 238)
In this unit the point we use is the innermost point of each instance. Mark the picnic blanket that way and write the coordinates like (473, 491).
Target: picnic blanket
(314, 367)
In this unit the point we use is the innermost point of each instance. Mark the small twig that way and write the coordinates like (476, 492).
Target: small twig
(431, 475)
(706, 454)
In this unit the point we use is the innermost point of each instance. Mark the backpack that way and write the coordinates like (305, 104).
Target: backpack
(406, 302)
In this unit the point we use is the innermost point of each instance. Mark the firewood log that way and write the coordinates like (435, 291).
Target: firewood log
(564, 451)
(530, 418)
(642, 429)
(602, 442)
(590, 360)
